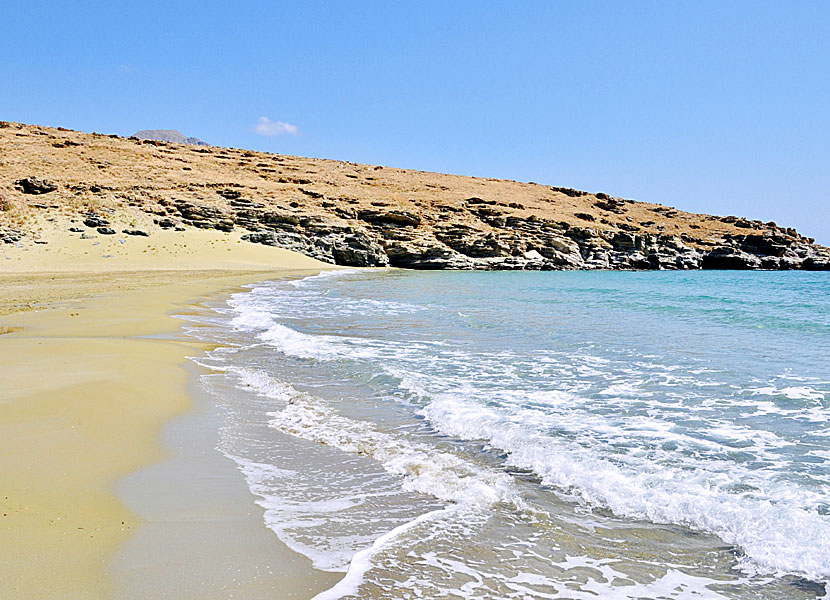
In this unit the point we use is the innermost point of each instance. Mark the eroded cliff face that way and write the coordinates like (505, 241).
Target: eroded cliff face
(362, 215)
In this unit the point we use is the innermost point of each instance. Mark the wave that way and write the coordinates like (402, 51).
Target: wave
(614, 423)
(773, 528)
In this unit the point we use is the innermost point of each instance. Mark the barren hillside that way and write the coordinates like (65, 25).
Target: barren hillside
(356, 214)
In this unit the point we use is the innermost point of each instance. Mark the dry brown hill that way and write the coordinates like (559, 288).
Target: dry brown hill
(358, 214)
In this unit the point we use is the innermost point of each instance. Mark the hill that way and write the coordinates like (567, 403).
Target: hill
(364, 215)
(168, 135)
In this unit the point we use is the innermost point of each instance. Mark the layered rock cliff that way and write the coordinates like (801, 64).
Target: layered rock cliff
(362, 215)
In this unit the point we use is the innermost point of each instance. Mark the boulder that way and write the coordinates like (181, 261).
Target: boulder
(10, 236)
(166, 223)
(35, 185)
(93, 220)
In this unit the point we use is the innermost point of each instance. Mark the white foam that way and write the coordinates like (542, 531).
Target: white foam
(292, 520)
(674, 584)
(422, 468)
(802, 393)
(773, 526)
(324, 275)
(362, 561)
(792, 392)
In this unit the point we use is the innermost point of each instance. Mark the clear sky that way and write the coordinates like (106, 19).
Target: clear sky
(720, 107)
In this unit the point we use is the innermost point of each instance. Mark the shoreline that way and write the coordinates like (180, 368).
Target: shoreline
(197, 506)
(92, 380)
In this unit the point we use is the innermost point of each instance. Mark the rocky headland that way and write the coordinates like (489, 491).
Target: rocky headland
(362, 215)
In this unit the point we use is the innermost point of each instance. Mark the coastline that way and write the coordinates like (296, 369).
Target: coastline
(89, 382)
(196, 505)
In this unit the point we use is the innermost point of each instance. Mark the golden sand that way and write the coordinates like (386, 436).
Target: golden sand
(86, 382)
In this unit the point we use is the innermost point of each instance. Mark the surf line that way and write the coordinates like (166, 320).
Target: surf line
(362, 561)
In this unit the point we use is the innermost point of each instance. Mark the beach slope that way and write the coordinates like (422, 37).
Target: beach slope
(93, 365)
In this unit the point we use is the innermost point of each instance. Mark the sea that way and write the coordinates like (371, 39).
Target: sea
(580, 435)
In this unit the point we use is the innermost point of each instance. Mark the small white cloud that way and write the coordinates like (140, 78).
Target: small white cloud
(266, 126)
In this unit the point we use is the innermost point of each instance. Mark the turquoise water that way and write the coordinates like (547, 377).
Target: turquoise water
(535, 435)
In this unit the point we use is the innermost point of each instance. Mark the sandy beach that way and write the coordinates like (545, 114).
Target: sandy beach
(93, 367)
(396, 301)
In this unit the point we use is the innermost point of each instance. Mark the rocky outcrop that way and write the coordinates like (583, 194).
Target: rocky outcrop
(331, 244)
(500, 241)
(135, 232)
(35, 185)
(168, 135)
(730, 258)
(93, 220)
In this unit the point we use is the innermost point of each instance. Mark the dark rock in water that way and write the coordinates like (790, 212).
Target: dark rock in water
(106, 231)
(816, 263)
(730, 258)
(35, 185)
(76, 229)
(413, 256)
(811, 587)
(95, 221)
(135, 232)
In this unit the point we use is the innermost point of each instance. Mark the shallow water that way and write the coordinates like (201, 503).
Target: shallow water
(537, 435)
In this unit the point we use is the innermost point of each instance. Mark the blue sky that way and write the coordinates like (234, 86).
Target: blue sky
(720, 107)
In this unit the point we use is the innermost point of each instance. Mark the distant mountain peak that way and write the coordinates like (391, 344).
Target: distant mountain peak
(168, 135)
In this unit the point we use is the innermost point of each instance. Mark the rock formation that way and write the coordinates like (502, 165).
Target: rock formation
(362, 215)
